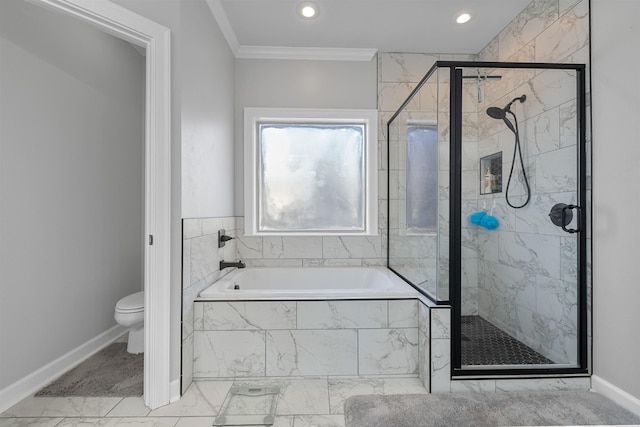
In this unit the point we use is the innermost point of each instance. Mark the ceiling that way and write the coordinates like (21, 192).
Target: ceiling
(384, 25)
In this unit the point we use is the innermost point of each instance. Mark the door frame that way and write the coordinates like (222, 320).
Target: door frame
(155, 39)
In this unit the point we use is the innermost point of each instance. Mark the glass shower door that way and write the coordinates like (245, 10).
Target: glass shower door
(520, 279)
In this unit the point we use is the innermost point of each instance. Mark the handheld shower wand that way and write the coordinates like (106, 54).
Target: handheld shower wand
(501, 114)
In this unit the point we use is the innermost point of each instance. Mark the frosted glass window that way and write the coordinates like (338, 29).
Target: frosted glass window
(311, 177)
(310, 172)
(422, 179)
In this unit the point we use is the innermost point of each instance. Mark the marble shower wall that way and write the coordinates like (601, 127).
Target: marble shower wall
(526, 268)
(423, 258)
(200, 268)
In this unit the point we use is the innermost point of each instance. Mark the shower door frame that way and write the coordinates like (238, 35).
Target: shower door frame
(455, 200)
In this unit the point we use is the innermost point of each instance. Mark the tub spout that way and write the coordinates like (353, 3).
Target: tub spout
(224, 264)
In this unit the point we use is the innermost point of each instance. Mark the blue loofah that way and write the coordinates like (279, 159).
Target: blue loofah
(489, 222)
(476, 218)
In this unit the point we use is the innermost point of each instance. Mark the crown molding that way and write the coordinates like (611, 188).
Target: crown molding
(282, 52)
(308, 53)
(217, 10)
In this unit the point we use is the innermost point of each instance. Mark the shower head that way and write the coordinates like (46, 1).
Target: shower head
(496, 113)
(501, 113)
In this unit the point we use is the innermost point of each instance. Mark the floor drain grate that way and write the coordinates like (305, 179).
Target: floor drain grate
(249, 406)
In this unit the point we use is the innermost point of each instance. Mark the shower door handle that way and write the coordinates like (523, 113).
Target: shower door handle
(566, 213)
(562, 215)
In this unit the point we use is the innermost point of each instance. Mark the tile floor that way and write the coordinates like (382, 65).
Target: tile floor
(303, 402)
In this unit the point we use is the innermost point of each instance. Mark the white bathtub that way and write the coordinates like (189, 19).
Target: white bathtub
(310, 283)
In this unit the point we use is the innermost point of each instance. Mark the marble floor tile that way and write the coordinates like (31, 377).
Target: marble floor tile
(29, 422)
(130, 407)
(341, 389)
(39, 407)
(195, 422)
(203, 398)
(120, 422)
(303, 397)
(319, 421)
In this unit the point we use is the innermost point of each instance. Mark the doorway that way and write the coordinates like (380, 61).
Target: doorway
(155, 39)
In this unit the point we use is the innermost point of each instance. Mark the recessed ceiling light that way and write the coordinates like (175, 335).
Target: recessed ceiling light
(464, 17)
(308, 10)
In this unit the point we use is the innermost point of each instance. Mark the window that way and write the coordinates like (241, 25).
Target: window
(422, 178)
(310, 172)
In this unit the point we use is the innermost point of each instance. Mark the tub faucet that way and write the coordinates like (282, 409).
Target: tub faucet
(224, 264)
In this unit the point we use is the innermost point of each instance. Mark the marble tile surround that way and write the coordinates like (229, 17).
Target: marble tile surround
(305, 338)
(200, 268)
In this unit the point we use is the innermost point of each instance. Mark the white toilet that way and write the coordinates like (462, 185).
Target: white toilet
(130, 313)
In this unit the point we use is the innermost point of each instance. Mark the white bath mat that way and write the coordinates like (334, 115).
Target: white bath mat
(249, 406)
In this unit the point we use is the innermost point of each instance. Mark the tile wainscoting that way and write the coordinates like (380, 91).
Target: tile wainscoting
(305, 338)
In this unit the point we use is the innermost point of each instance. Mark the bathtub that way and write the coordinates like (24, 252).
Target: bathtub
(309, 283)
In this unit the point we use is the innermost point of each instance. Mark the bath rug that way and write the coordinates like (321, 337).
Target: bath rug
(112, 372)
(534, 408)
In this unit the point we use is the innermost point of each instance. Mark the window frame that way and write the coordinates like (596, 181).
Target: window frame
(425, 231)
(253, 117)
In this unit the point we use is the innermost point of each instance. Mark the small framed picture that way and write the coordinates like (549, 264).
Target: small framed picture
(491, 173)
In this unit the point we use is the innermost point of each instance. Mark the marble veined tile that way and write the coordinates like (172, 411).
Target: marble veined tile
(532, 253)
(403, 67)
(119, 422)
(440, 323)
(292, 247)
(556, 171)
(341, 389)
(342, 314)
(352, 247)
(534, 218)
(319, 421)
(557, 300)
(29, 422)
(204, 257)
(229, 353)
(537, 16)
(38, 407)
(309, 396)
(440, 366)
(544, 384)
(565, 36)
(195, 422)
(130, 407)
(542, 132)
(388, 351)
(312, 352)
(203, 398)
(403, 314)
(249, 315)
(477, 386)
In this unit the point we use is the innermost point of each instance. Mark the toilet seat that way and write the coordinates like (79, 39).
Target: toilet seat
(131, 303)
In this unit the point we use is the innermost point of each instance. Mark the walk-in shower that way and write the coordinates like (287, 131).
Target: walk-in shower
(517, 291)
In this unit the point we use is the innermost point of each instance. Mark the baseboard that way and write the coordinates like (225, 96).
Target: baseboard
(33, 382)
(616, 394)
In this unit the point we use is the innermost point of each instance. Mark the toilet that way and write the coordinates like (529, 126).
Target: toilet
(130, 313)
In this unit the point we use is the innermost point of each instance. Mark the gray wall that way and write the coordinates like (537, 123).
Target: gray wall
(71, 184)
(207, 76)
(616, 153)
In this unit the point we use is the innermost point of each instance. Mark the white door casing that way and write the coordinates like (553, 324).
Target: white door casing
(155, 39)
